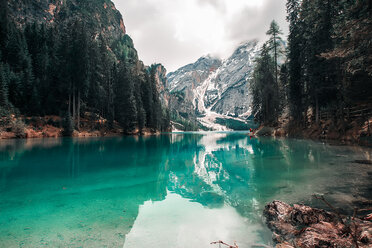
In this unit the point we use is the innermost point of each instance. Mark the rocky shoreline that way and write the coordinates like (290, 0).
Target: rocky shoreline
(303, 226)
(51, 127)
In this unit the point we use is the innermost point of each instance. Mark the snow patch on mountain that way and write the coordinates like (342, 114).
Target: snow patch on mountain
(213, 88)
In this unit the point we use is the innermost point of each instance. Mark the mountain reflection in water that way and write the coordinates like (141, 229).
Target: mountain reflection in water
(171, 190)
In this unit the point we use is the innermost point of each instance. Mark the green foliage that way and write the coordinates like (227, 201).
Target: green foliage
(328, 55)
(4, 82)
(125, 101)
(18, 127)
(184, 124)
(179, 94)
(124, 49)
(274, 44)
(352, 34)
(265, 89)
(236, 124)
(69, 65)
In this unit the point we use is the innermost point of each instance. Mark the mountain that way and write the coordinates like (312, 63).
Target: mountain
(214, 92)
(73, 59)
(100, 17)
(161, 82)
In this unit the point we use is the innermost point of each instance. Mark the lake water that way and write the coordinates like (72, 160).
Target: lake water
(172, 190)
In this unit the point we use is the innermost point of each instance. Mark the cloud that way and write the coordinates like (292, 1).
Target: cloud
(218, 4)
(178, 32)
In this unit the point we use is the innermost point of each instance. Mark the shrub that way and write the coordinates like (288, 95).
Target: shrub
(18, 127)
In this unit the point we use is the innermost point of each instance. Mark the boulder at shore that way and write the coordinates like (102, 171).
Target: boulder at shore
(303, 226)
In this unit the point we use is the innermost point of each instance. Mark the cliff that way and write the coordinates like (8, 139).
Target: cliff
(73, 59)
(214, 92)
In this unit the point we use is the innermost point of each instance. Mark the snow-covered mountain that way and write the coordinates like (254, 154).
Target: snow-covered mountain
(212, 89)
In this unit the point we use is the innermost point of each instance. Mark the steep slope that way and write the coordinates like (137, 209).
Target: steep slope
(100, 17)
(161, 83)
(73, 59)
(187, 85)
(210, 89)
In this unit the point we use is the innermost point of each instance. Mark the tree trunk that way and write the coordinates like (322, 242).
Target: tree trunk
(78, 111)
(73, 106)
(316, 109)
(69, 103)
(276, 61)
(109, 99)
(266, 110)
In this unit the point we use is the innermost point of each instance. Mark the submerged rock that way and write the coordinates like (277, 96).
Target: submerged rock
(303, 226)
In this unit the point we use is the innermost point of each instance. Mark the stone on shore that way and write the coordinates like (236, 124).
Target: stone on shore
(303, 226)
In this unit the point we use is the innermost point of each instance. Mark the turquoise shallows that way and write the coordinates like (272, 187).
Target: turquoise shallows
(171, 190)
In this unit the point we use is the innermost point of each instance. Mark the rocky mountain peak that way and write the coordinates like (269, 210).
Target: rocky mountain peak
(101, 16)
(215, 87)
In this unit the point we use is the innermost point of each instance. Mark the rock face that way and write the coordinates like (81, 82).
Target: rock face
(101, 14)
(162, 84)
(184, 85)
(215, 86)
(100, 18)
(303, 226)
(228, 92)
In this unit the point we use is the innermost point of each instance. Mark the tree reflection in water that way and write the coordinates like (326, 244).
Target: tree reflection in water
(89, 192)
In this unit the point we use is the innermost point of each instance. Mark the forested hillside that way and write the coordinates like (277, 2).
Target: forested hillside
(328, 69)
(73, 59)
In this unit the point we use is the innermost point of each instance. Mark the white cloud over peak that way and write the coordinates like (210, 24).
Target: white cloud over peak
(178, 32)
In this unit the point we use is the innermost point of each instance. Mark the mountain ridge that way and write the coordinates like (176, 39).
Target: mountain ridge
(213, 88)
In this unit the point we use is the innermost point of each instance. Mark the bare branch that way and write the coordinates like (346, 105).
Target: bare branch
(223, 243)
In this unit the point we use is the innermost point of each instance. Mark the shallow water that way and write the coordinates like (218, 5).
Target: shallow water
(172, 190)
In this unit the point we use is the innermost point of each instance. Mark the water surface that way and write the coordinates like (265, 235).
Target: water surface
(172, 190)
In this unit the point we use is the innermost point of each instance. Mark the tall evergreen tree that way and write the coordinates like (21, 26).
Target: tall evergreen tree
(156, 104)
(4, 24)
(275, 44)
(295, 79)
(147, 97)
(4, 81)
(265, 89)
(125, 102)
(105, 79)
(80, 67)
(50, 69)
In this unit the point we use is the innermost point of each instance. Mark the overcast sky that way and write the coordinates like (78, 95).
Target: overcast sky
(178, 32)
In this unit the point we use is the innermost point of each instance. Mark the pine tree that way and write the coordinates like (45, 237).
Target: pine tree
(265, 89)
(125, 102)
(4, 24)
(295, 80)
(352, 32)
(156, 104)
(80, 68)
(64, 74)
(147, 100)
(4, 81)
(95, 91)
(275, 43)
(51, 90)
(105, 79)
(141, 114)
(46, 68)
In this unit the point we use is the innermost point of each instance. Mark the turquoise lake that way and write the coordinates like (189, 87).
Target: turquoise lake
(171, 190)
